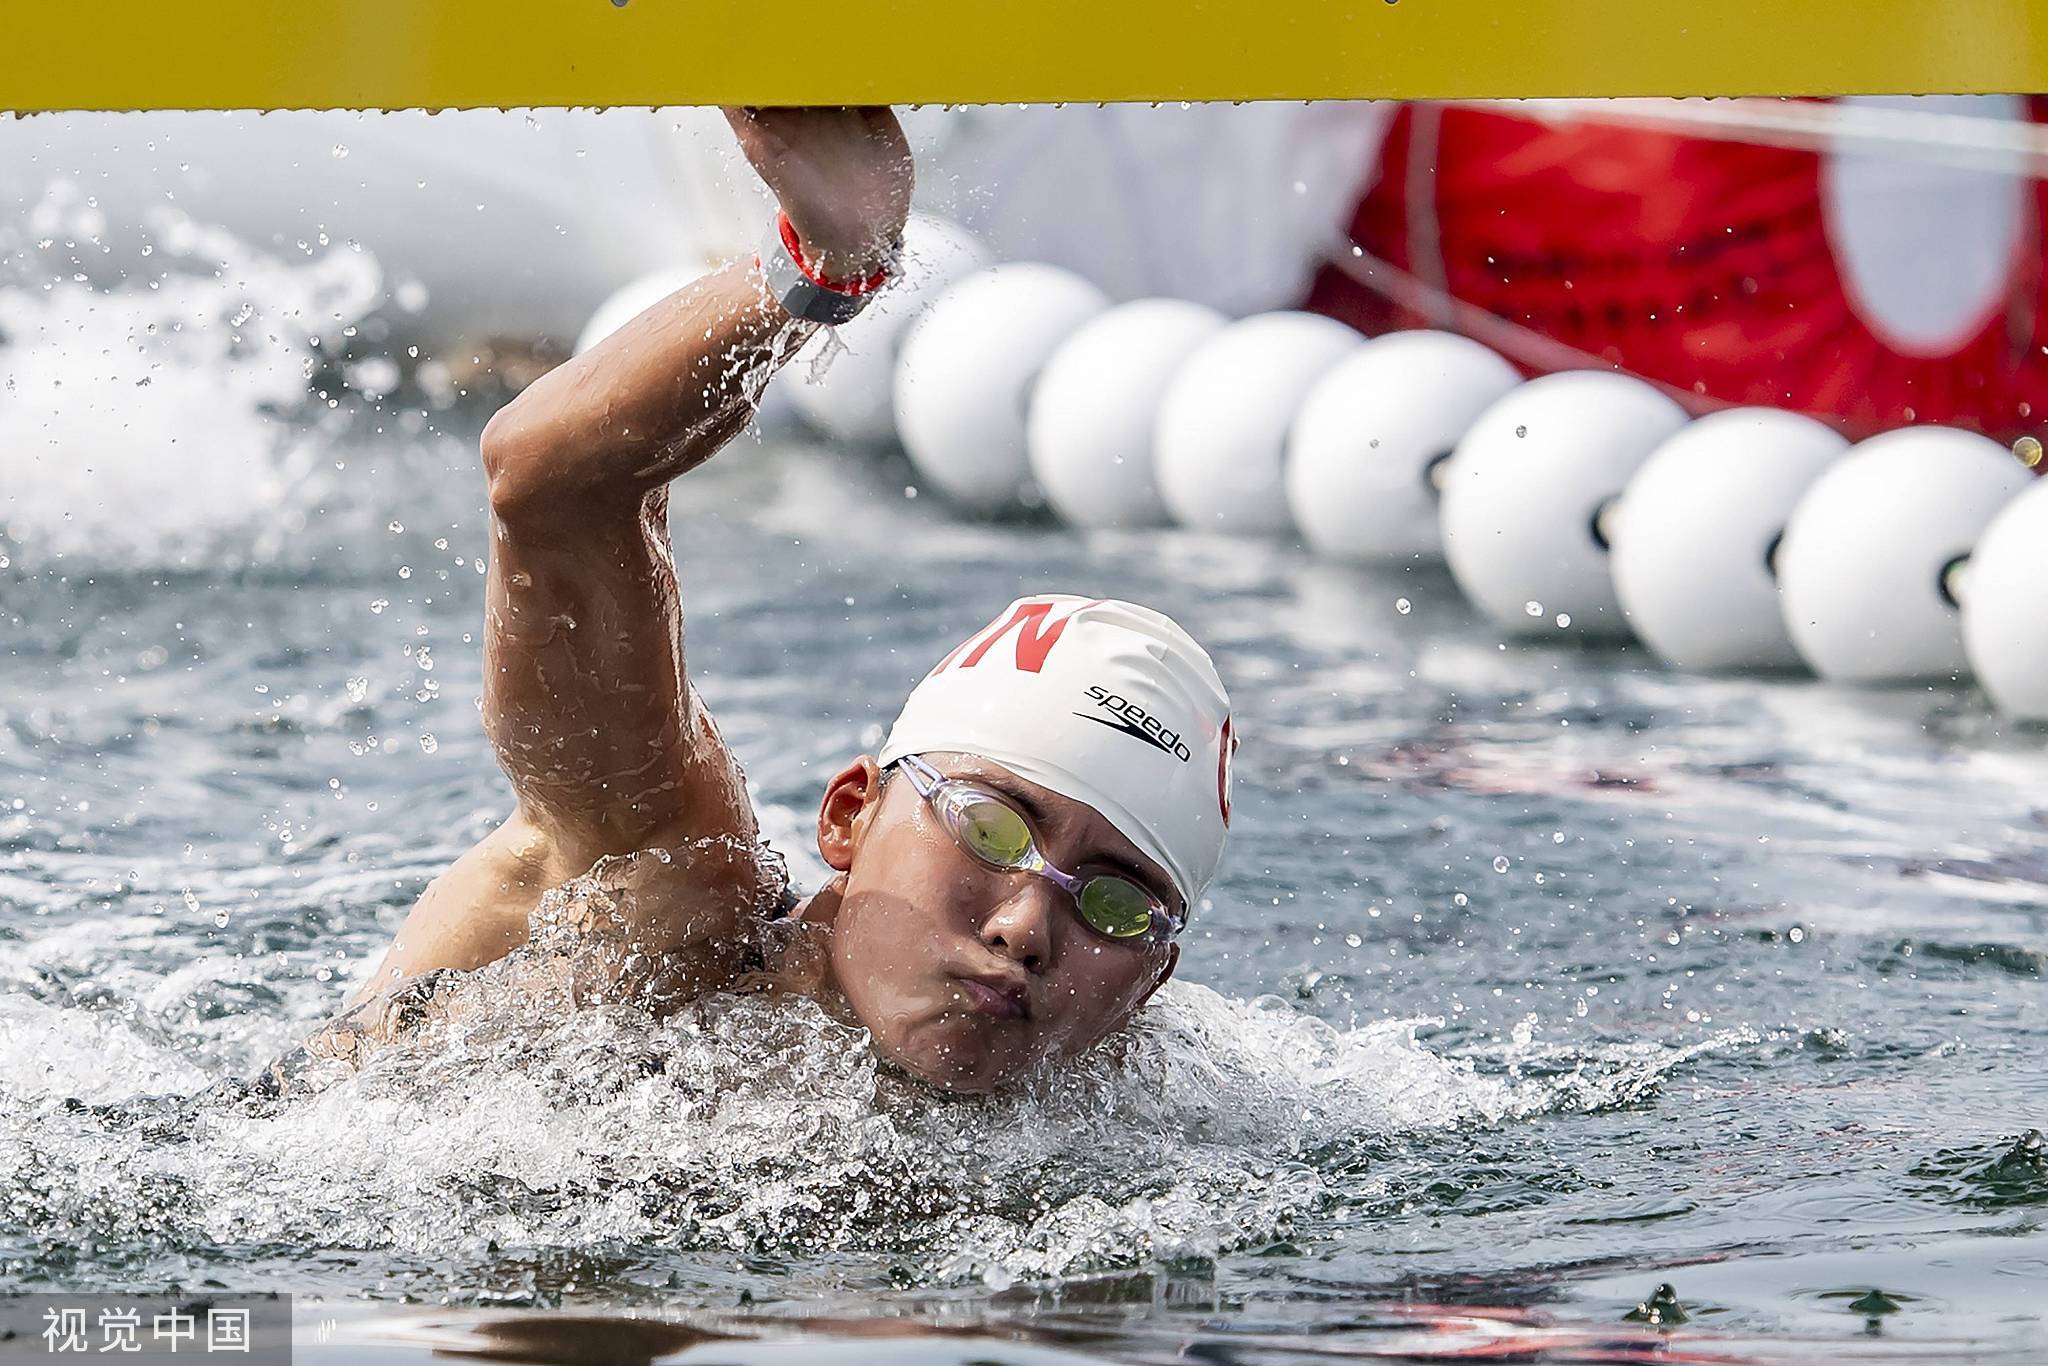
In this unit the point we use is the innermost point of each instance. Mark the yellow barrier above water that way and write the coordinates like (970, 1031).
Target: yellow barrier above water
(371, 54)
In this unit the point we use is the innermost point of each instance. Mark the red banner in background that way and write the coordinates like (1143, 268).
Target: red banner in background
(1877, 293)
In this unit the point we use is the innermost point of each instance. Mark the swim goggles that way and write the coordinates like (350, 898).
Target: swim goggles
(997, 834)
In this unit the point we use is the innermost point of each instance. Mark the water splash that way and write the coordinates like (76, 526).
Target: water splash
(755, 1125)
(145, 420)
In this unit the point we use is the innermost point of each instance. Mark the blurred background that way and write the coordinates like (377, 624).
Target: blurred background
(1873, 260)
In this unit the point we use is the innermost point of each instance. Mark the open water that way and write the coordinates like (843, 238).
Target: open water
(1537, 978)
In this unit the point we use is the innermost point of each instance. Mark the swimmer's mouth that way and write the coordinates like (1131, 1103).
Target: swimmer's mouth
(997, 996)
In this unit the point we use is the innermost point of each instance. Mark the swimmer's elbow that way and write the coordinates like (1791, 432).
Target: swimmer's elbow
(537, 477)
(522, 471)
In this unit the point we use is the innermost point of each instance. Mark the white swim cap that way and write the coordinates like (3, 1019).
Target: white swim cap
(1102, 701)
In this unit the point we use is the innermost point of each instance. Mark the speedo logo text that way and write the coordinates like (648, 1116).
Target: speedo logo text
(1133, 720)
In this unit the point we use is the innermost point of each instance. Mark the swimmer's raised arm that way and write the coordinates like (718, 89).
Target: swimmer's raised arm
(586, 698)
(669, 388)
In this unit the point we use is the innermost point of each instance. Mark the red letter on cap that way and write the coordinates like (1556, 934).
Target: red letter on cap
(1226, 747)
(1034, 639)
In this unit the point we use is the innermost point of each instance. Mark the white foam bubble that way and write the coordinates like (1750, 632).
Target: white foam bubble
(50, 1052)
(147, 418)
(530, 1106)
(755, 1124)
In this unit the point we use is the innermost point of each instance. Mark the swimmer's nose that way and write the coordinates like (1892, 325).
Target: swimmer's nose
(1020, 929)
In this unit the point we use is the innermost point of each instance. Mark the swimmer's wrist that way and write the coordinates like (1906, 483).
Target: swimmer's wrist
(795, 278)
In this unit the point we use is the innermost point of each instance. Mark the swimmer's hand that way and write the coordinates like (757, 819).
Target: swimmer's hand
(843, 176)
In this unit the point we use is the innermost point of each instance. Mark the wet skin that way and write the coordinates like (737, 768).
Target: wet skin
(966, 975)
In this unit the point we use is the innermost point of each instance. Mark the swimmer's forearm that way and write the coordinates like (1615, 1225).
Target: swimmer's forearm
(654, 399)
(670, 387)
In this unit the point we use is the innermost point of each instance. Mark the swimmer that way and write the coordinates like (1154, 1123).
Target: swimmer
(1009, 873)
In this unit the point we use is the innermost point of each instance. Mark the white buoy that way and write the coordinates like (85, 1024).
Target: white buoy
(630, 301)
(1696, 531)
(844, 378)
(966, 370)
(1525, 492)
(2005, 630)
(1096, 404)
(1864, 566)
(1223, 421)
(1366, 449)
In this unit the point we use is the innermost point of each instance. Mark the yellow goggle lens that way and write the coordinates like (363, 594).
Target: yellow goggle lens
(1116, 907)
(993, 832)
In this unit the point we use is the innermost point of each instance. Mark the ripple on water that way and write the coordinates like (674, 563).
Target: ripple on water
(2006, 1174)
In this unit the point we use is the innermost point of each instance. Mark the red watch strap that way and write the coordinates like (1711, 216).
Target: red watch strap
(852, 288)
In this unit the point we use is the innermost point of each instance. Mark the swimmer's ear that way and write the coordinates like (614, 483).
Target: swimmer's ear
(1172, 962)
(848, 806)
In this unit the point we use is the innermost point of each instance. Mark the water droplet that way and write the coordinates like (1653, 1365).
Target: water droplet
(358, 688)
(1521, 431)
(1500, 863)
(338, 151)
(1564, 619)
(378, 605)
(428, 744)
(1533, 608)
(1460, 899)
(395, 528)
(1403, 606)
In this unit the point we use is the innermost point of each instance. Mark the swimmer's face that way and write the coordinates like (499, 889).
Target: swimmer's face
(965, 975)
